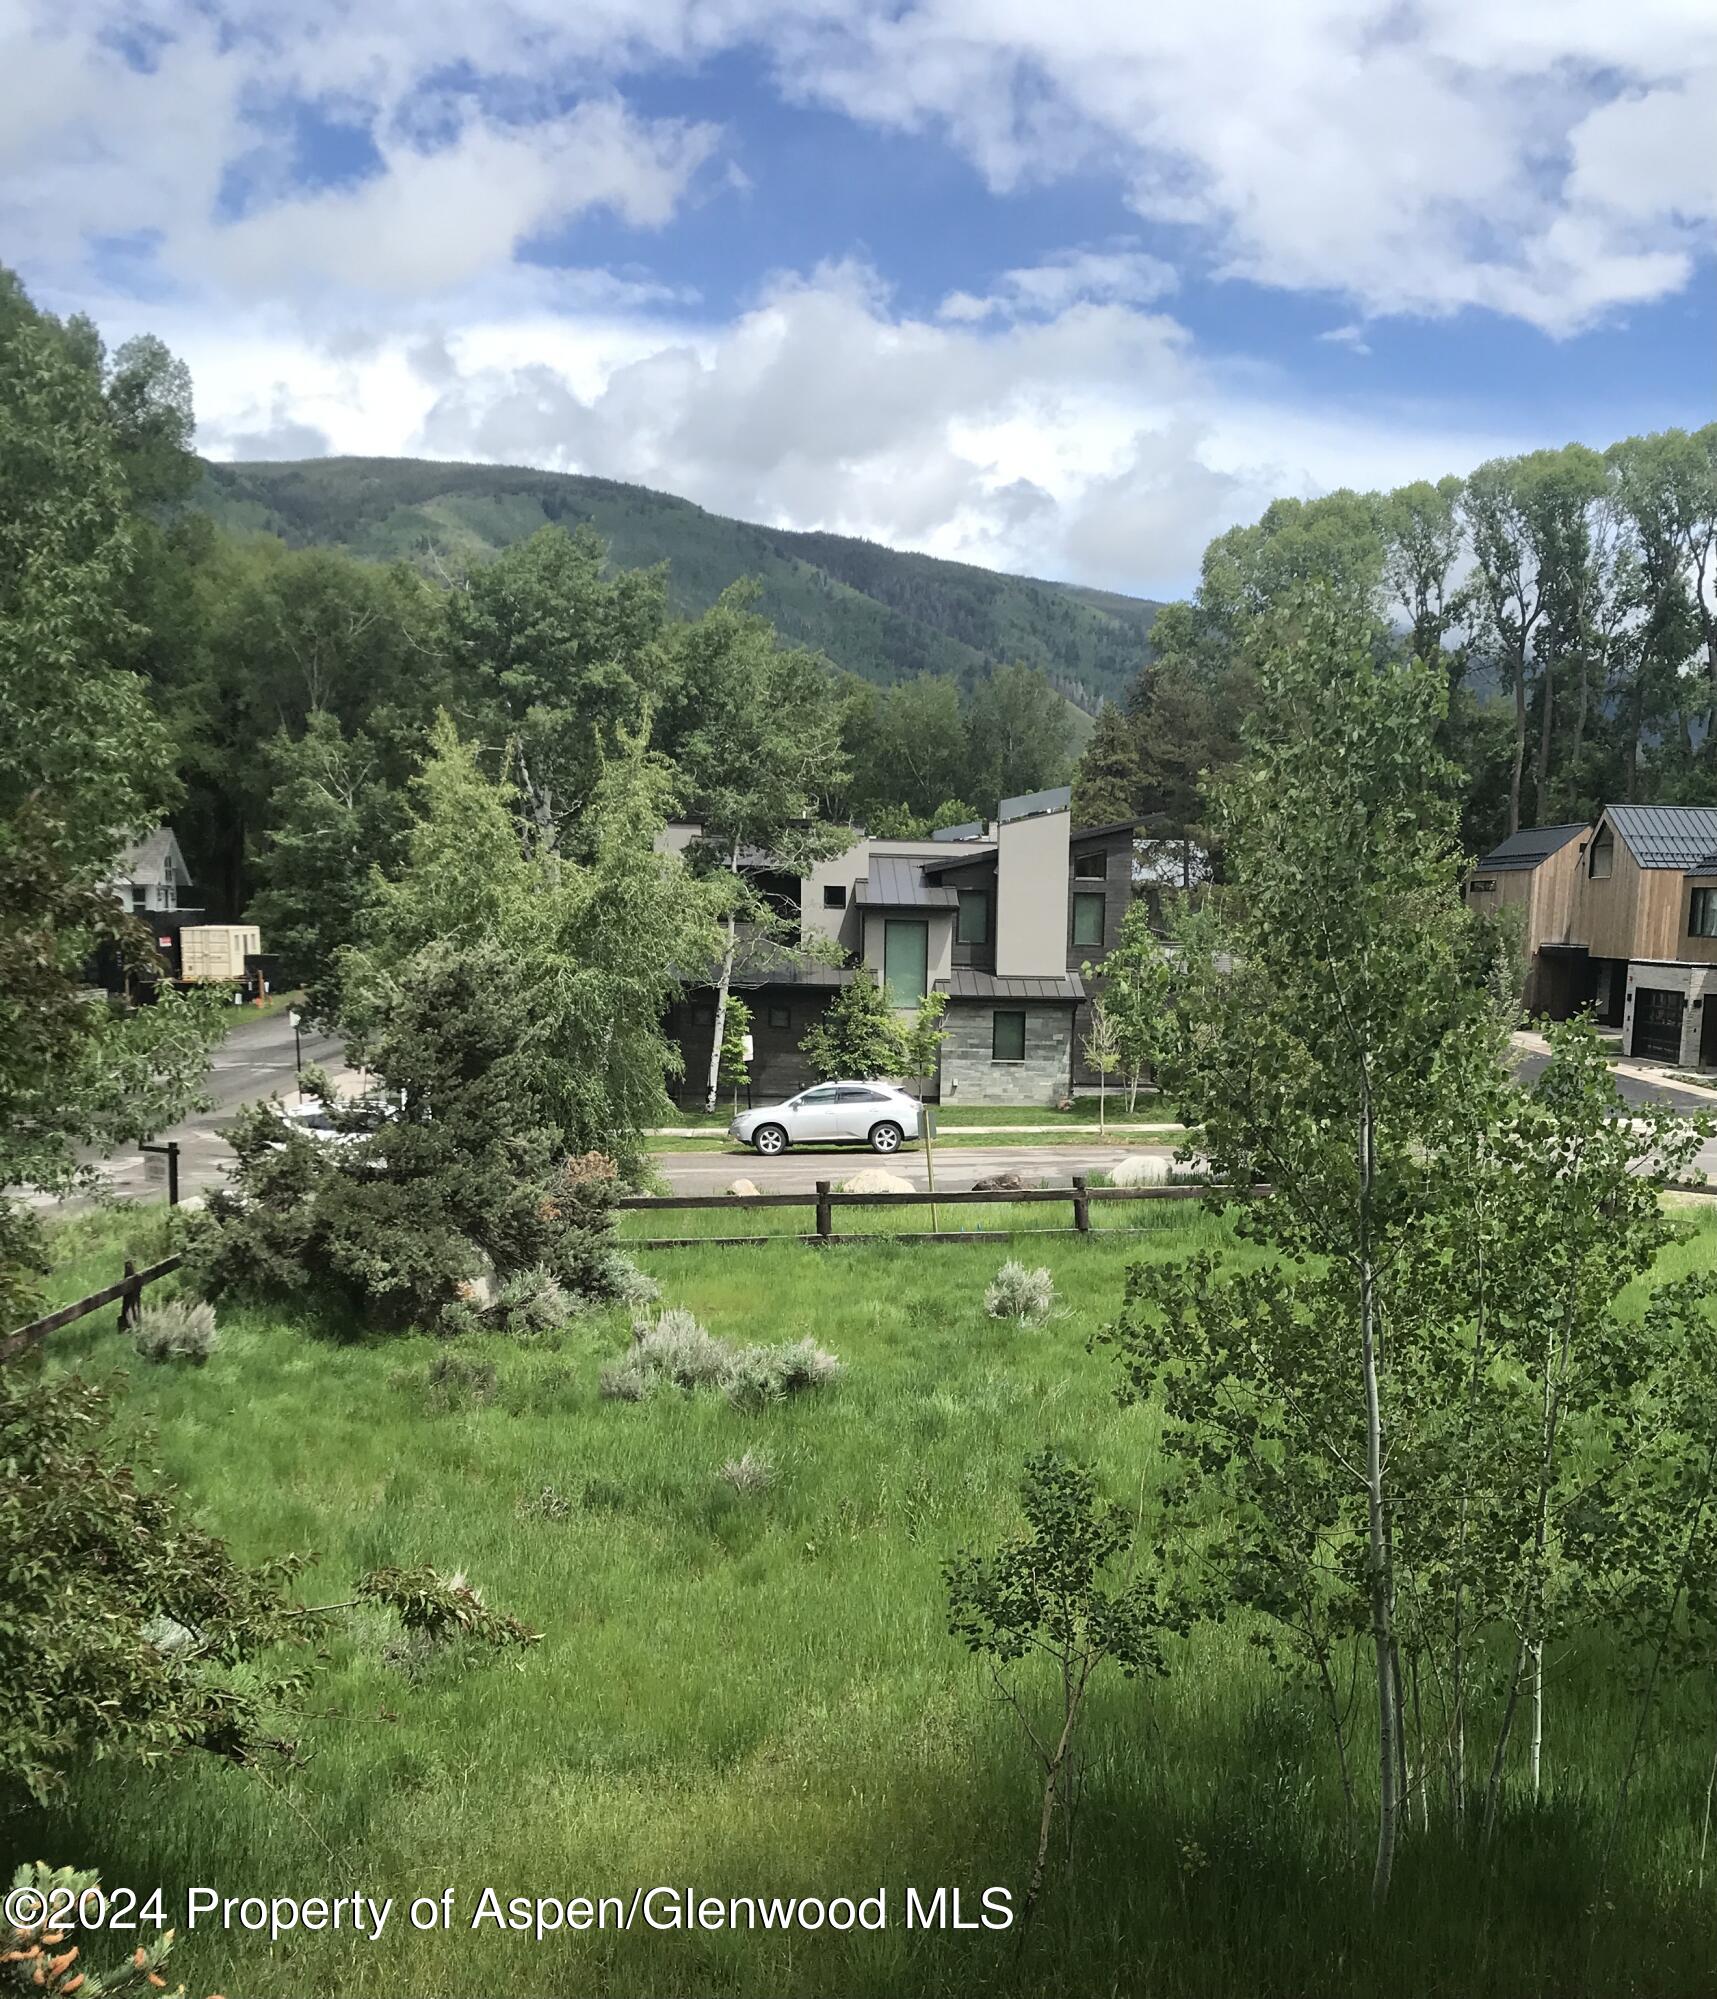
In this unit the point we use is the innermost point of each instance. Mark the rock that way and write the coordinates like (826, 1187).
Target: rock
(744, 1187)
(1001, 1183)
(877, 1180)
(480, 1292)
(1140, 1169)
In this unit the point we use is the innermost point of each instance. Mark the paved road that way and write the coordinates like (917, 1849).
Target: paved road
(254, 1061)
(1634, 1090)
(799, 1170)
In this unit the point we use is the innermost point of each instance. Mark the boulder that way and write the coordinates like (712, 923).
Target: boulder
(877, 1180)
(744, 1187)
(1140, 1169)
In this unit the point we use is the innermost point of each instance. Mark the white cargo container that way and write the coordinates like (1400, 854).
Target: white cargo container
(212, 954)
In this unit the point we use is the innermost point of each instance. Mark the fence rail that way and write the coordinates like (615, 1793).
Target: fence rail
(823, 1202)
(826, 1199)
(125, 1294)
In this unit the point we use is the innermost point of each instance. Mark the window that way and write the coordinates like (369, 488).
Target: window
(1485, 887)
(780, 1016)
(1088, 919)
(857, 1096)
(973, 923)
(169, 897)
(1602, 863)
(139, 898)
(1007, 1037)
(905, 961)
(826, 1095)
(1090, 867)
(1702, 917)
(834, 895)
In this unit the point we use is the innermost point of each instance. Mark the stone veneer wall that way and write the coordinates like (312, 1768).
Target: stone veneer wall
(969, 1076)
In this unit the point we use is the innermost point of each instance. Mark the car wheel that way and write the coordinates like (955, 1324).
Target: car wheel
(769, 1139)
(885, 1138)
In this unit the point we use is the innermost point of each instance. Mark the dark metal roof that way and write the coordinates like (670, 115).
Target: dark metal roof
(965, 984)
(1528, 847)
(1100, 832)
(1666, 836)
(897, 883)
(1030, 803)
(969, 859)
(973, 829)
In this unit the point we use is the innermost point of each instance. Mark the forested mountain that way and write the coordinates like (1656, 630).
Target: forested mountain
(880, 613)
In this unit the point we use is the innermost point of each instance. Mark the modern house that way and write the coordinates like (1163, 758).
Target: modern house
(1000, 918)
(1620, 917)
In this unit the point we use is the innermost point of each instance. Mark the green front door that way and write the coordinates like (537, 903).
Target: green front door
(905, 961)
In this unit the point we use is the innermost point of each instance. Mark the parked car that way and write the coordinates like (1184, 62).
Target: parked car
(873, 1114)
(357, 1120)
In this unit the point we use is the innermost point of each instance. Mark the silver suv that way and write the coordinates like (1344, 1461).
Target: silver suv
(873, 1114)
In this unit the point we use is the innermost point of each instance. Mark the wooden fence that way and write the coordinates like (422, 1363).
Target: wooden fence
(1080, 1195)
(124, 1294)
(823, 1203)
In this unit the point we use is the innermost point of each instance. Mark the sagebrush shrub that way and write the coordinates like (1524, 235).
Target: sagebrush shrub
(181, 1329)
(760, 1374)
(751, 1471)
(1025, 1296)
(626, 1282)
(626, 1380)
(674, 1350)
(680, 1350)
(533, 1301)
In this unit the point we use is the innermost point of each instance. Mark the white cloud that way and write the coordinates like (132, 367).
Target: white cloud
(431, 219)
(1121, 274)
(1547, 159)
(1092, 444)
(1417, 160)
(1351, 336)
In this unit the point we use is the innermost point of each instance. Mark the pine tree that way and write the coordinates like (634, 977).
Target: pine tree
(1109, 783)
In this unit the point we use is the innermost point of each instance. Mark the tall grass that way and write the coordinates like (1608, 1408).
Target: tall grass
(753, 1692)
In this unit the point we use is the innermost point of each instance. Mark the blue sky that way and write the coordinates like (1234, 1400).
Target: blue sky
(1058, 290)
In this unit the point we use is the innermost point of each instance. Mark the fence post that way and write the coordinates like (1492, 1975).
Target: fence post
(1081, 1204)
(128, 1304)
(825, 1211)
(172, 1172)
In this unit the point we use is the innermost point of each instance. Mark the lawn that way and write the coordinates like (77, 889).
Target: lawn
(756, 1694)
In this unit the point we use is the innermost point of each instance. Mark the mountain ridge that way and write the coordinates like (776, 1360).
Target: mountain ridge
(885, 614)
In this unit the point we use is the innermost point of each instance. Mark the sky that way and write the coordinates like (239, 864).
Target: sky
(1059, 288)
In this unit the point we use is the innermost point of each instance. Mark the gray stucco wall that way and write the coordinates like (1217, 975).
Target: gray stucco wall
(970, 1076)
(1031, 896)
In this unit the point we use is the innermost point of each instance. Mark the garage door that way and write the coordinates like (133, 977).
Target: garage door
(1657, 1023)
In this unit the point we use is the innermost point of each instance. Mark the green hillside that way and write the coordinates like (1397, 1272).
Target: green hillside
(874, 610)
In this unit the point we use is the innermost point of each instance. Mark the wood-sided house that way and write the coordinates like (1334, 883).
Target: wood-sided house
(1621, 919)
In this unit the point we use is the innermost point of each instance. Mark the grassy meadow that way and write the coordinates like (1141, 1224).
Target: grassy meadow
(755, 1692)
